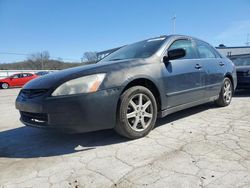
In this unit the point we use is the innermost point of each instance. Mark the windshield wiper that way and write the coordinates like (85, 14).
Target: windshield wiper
(116, 59)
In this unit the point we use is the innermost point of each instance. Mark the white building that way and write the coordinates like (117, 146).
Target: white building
(234, 51)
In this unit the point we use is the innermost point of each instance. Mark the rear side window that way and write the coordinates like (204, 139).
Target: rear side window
(205, 51)
(187, 45)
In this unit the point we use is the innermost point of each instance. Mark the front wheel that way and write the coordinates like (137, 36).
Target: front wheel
(5, 85)
(137, 112)
(226, 93)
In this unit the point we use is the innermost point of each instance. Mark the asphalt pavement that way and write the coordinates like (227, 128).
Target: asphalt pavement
(204, 146)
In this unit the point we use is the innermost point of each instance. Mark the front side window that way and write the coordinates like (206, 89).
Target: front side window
(16, 76)
(187, 45)
(143, 49)
(204, 50)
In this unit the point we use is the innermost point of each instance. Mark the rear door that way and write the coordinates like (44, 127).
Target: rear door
(214, 68)
(29, 77)
(182, 77)
(25, 78)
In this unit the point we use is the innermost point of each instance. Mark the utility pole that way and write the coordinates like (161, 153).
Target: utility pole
(248, 42)
(42, 60)
(174, 22)
(42, 64)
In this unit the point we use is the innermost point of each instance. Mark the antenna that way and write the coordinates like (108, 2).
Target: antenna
(174, 20)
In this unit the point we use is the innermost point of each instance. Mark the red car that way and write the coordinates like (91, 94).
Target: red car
(16, 80)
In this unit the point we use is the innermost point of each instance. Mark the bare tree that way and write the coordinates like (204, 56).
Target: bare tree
(39, 60)
(90, 57)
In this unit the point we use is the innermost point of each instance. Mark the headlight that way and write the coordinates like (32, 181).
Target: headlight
(86, 84)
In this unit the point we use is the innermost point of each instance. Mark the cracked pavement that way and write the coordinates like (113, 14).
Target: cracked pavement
(204, 146)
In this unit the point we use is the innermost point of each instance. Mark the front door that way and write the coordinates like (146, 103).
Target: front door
(16, 80)
(182, 77)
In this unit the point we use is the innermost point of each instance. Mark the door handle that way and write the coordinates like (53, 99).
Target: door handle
(198, 66)
(221, 64)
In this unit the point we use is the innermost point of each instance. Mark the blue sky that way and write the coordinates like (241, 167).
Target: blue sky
(69, 28)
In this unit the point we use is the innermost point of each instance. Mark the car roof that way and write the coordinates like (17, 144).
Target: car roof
(177, 36)
(184, 36)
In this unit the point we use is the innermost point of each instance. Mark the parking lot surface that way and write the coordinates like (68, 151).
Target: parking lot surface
(203, 146)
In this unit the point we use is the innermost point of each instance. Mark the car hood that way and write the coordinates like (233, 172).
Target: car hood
(55, 79)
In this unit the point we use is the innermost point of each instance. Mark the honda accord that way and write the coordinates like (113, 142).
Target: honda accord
(130, 88)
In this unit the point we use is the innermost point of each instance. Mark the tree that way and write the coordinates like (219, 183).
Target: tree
(39, 60)
(90, 57)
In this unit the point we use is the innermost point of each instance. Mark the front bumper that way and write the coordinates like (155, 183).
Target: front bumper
(76, 113)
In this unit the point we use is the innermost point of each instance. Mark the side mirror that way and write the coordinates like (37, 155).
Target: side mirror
(174, 54)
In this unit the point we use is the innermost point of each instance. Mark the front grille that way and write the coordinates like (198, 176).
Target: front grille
(34, 118)
(31, 93)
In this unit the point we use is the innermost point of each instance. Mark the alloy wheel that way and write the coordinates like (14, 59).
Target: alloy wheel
(227, 94)
(5, 85)
(139, 112)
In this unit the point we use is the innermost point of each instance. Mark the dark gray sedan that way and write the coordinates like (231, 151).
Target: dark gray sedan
(242, 64)
(130, 88)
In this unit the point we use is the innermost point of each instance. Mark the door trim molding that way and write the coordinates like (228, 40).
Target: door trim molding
(171, 110)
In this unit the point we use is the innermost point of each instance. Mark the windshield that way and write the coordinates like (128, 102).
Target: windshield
(141, 49)
(242, 61)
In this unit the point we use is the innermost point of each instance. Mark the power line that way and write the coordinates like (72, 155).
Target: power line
(24, 54)
(13, 53)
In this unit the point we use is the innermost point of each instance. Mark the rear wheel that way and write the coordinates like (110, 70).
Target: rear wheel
(137, 112)
(5, 85)
(226, 93)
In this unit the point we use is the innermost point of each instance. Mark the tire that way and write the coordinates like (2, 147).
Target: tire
(135, 119)
(226, 93)
(5, 85)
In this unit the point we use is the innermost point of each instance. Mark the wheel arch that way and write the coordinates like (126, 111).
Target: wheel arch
(2, 82)
(149, 84)
(228, 75)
